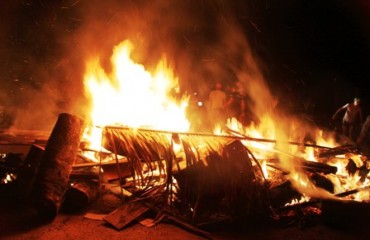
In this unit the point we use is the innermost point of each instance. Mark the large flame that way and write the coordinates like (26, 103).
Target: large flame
(280, 146)
(134, 97)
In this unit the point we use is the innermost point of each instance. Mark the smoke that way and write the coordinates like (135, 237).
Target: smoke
(47, 43)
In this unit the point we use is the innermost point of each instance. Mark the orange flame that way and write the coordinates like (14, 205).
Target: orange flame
(132, 96)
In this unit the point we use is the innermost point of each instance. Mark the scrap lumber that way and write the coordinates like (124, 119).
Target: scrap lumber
(125, 214)
(53, 176)
(307, 165)
(245, 137)
(332, 152)
(318, 167)
(353, 191)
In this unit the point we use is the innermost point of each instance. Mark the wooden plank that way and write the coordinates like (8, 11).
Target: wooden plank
(125, 214)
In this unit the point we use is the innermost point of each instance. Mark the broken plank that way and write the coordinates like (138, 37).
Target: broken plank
(125, 214)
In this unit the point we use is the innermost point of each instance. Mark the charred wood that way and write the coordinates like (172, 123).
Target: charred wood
(331, 152)
(351, 167)
(318, 167)
(56, 166)
(28, 171)
(306, 165)
(80, 195)
(283, 194)
(363, 172)
(322, 182)
(350, 192)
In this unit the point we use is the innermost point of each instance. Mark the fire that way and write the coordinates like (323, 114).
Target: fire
(264, 139)
(134, 97)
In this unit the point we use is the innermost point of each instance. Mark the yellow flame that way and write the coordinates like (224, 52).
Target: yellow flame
(134, 97)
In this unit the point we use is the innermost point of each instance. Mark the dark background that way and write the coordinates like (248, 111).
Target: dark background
(314, 55)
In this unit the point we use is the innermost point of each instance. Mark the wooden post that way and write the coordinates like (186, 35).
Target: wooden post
(60, 153)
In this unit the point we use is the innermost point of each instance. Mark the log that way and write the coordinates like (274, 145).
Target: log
(322, 182)
(309, 166)
(337, 151)
(80, 195)
(318, 167)
(283, 194)
(350, 192)
(53, 176)
(28, 172)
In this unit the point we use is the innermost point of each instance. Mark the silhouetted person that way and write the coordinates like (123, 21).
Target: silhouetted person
(216, 106)
(236, 104)
(352, 111)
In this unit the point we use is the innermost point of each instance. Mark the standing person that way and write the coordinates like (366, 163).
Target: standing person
(216, 105)
(236, 104)
(352, 111)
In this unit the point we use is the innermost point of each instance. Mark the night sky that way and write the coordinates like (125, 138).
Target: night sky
(320, 49)
(314, 55)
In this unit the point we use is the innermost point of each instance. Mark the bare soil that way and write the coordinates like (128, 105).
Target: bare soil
(19, 220)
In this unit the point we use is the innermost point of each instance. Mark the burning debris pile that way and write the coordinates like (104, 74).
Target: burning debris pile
(193, 179)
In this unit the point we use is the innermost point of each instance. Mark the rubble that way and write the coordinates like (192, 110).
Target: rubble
(213, 178)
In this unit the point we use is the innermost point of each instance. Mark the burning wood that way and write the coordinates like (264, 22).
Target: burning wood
(204, 167)
(192, 178)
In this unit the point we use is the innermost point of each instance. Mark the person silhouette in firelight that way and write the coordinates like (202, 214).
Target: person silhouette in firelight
(217, 100)
(352, 112)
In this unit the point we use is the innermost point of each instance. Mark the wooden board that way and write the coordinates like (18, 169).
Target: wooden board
(125, 214)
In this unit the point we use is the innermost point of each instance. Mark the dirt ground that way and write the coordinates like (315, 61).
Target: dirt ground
(18, 221)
